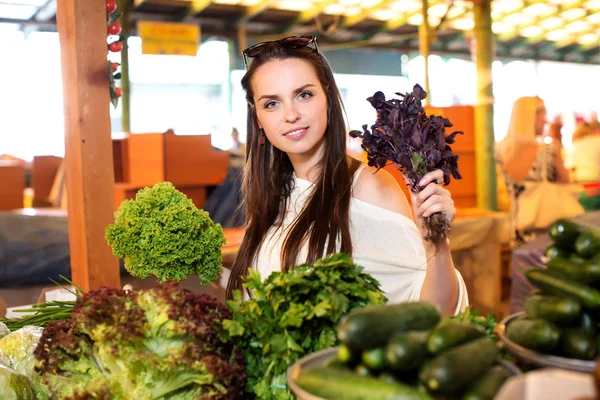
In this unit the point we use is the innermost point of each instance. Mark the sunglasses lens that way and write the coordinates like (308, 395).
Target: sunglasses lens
(254, 50)
(296, 42)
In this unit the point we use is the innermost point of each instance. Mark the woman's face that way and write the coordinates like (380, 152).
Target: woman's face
(291, 107)
(540, 119)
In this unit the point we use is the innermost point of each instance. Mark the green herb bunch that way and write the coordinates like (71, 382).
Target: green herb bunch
(162, 233)
(292, 314)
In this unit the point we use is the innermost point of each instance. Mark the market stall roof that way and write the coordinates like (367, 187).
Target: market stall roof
(565, 30)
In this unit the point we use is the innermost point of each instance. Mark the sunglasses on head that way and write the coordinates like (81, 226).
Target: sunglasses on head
(290, 42)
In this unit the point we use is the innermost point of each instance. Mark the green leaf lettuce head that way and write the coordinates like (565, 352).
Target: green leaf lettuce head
(292, 314)
(161, 343)
(162, 233)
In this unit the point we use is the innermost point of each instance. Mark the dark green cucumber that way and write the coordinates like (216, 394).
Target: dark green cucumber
(561, 286)
(374, 359)
(564, 233)
(588, 244)
(406, 351)
(555, 251)
(588, 323)
(451, 334)
(371, 327)
(552, 308)
(335, 384)
(487, 385)
(362, 370)
(587, 271)
(576, 258)
(453, 370)
(535, 334)
(577, 343)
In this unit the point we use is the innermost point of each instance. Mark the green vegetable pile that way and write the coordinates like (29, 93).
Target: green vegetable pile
(292, 314)
(162, 233)
(403, 351)
(561, 317)
(161, 343)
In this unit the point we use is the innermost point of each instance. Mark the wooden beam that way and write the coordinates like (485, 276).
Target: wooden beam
(573, 39)
(403, 20)
(591, 45)
(352, 20)
(515, 32)
(196, 7)
(254, 10)
(307, 15)
(88, 147)
(175, 3)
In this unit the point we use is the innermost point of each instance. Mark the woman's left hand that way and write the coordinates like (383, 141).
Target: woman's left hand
(433, 198)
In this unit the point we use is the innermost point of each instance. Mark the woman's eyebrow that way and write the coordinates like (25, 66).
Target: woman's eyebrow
(276, 97)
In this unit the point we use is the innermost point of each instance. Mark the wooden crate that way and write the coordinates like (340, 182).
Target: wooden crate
(12, 178)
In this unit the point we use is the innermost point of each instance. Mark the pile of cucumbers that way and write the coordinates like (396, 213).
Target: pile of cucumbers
(404, 351)
(561, 317)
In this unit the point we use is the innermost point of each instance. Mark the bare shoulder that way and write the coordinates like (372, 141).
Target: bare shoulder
(381, 189)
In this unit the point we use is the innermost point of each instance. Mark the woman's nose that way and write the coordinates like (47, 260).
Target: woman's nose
(291, 114)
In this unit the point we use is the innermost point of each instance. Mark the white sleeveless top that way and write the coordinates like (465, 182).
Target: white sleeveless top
(388, 245)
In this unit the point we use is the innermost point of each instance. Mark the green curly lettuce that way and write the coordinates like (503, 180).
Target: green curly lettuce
(162, 233)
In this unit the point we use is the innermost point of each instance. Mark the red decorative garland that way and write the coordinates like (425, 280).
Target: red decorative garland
(114, 46)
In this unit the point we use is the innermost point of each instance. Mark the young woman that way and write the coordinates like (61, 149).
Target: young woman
(305, 197)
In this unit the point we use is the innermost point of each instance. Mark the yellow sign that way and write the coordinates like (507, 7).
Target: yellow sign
(169, 38)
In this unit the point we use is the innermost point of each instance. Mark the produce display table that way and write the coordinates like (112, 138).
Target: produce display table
(529, 256)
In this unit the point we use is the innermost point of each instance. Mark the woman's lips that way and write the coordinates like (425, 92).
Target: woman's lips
(296, 134)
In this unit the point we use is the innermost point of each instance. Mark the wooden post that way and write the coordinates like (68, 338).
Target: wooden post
(424, 44)
(88, 149)
(484, 110)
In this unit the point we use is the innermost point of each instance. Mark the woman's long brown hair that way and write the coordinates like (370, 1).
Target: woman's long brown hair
(268, 180)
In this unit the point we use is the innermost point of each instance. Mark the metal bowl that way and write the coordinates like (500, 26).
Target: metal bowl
(540, 359)
(321, 359)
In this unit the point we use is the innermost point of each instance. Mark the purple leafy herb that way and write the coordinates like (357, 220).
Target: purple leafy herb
(415, 143)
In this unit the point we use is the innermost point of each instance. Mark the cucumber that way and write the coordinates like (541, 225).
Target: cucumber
(335, 384)
(576, 258)
(406, 351)
(451, 371)
(362, 370)
(588, 244)
(552, 308)
(554, 251)
(487, 385)
(563, 287)
(336, 363)
(588, 323)
(577, 343)
(564, 233)
(452, 334)
(535, 334)
(374, 359)
(347, 356)
(371, 327)
(587, 271)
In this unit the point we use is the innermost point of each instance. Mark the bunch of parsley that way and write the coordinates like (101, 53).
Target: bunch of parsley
(292, 314)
